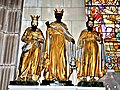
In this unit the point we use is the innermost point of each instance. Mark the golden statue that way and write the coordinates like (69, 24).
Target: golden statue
(30, 60)
(90, 63)
(55, 62)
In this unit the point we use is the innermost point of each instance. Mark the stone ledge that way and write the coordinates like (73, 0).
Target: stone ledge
(37, 87)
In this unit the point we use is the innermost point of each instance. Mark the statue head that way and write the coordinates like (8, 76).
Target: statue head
(90, 24)
(58, 14)
(34, 21)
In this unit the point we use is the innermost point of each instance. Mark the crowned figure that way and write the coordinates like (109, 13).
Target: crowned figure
(55, 61)
(90, 60)
(30, 61)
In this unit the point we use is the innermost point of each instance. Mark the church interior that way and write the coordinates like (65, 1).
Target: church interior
(15, 18)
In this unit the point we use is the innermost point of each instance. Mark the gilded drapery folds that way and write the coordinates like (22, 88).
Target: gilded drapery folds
(90, 63)
(30, 65)
(55, 62)
(30, 60)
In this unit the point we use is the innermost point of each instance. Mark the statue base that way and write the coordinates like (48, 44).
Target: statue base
(90, 84)
(23, 83)
(57, 83)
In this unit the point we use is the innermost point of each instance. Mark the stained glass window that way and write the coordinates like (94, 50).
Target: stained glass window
(106, 14)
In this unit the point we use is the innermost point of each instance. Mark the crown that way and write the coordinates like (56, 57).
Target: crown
(90, 18)
(35, 18)
(59, 11)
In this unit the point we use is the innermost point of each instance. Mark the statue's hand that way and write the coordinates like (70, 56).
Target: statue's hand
(47, 24)
(34, 38)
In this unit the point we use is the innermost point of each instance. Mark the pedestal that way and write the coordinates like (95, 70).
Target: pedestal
(24, 83)
(57, 83)
(90, 84)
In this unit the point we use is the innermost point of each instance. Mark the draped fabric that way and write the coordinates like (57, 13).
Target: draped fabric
(56, 64)
(90, 63)
(30, 62)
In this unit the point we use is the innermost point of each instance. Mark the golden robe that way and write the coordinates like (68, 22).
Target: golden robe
(30, 60)
(55, 62)
(90, 63)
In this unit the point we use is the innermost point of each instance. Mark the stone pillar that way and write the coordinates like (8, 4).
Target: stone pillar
(10, 24)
